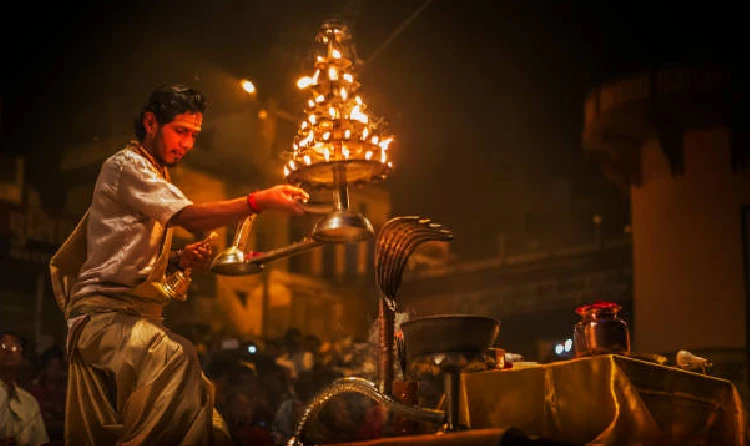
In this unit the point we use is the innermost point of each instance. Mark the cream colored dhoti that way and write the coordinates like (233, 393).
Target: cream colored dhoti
(132, 382)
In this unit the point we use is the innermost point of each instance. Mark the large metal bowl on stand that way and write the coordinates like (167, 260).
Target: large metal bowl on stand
(452, 342)
(449, 333)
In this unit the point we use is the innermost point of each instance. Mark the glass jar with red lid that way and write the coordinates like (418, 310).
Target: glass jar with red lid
(601, 330)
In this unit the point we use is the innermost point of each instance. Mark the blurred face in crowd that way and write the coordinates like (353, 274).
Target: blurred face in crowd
(55, 370)
(240, 410)
(10, 352)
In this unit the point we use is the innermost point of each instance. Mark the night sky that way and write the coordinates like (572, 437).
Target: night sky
(485, 97)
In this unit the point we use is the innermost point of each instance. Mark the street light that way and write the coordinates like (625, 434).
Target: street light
(248, 86)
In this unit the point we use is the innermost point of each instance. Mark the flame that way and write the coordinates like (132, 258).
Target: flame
(333, 74)
(326, 154)
(385, 143)
(368, 155)
(306, 81)
(336, 54)
(348, 77)
(357, 115)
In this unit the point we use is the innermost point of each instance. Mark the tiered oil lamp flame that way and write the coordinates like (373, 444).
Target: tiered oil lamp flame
(338, 144)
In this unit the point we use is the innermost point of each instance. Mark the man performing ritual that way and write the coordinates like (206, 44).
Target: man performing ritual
(131, 381)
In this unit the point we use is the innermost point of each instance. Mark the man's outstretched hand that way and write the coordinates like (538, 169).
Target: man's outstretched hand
(283, 198)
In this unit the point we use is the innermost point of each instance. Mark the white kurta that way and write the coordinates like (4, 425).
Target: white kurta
(20, 417)
(129, 211)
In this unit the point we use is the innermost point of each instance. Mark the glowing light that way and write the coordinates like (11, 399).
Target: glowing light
(333, 74)
(247, 86)
(339, 118)
(305, 82)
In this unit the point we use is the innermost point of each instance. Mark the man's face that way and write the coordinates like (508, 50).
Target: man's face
(172, 141)
(10, 352)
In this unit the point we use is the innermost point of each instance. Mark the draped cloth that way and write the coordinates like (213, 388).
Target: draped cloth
(607, 400)
(130, 380)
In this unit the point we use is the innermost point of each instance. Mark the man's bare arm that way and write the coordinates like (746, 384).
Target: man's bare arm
(211, 215)
(207, 216)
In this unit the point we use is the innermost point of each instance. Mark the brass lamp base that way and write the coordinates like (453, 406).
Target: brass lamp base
(344, 226)
(329, 174)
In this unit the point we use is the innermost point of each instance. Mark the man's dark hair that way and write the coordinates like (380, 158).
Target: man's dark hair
(168, 101)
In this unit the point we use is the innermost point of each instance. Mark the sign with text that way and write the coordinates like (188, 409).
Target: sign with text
(30, 235)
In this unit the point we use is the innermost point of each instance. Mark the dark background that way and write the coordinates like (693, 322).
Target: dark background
(485, 97)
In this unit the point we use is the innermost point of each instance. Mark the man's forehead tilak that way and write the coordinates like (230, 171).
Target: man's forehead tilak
(192, 121)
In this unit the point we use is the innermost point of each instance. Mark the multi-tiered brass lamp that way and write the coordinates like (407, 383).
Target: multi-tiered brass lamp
(337, 144)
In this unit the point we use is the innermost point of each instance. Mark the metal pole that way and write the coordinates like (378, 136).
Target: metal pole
(41, 276)
(265, 303)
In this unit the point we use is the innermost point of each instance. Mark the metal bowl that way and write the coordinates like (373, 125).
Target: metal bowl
(449, 333)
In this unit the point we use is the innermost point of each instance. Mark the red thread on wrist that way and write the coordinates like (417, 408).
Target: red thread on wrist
(252, 204)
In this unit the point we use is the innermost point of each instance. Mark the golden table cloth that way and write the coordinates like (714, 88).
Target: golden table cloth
(607, 400)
